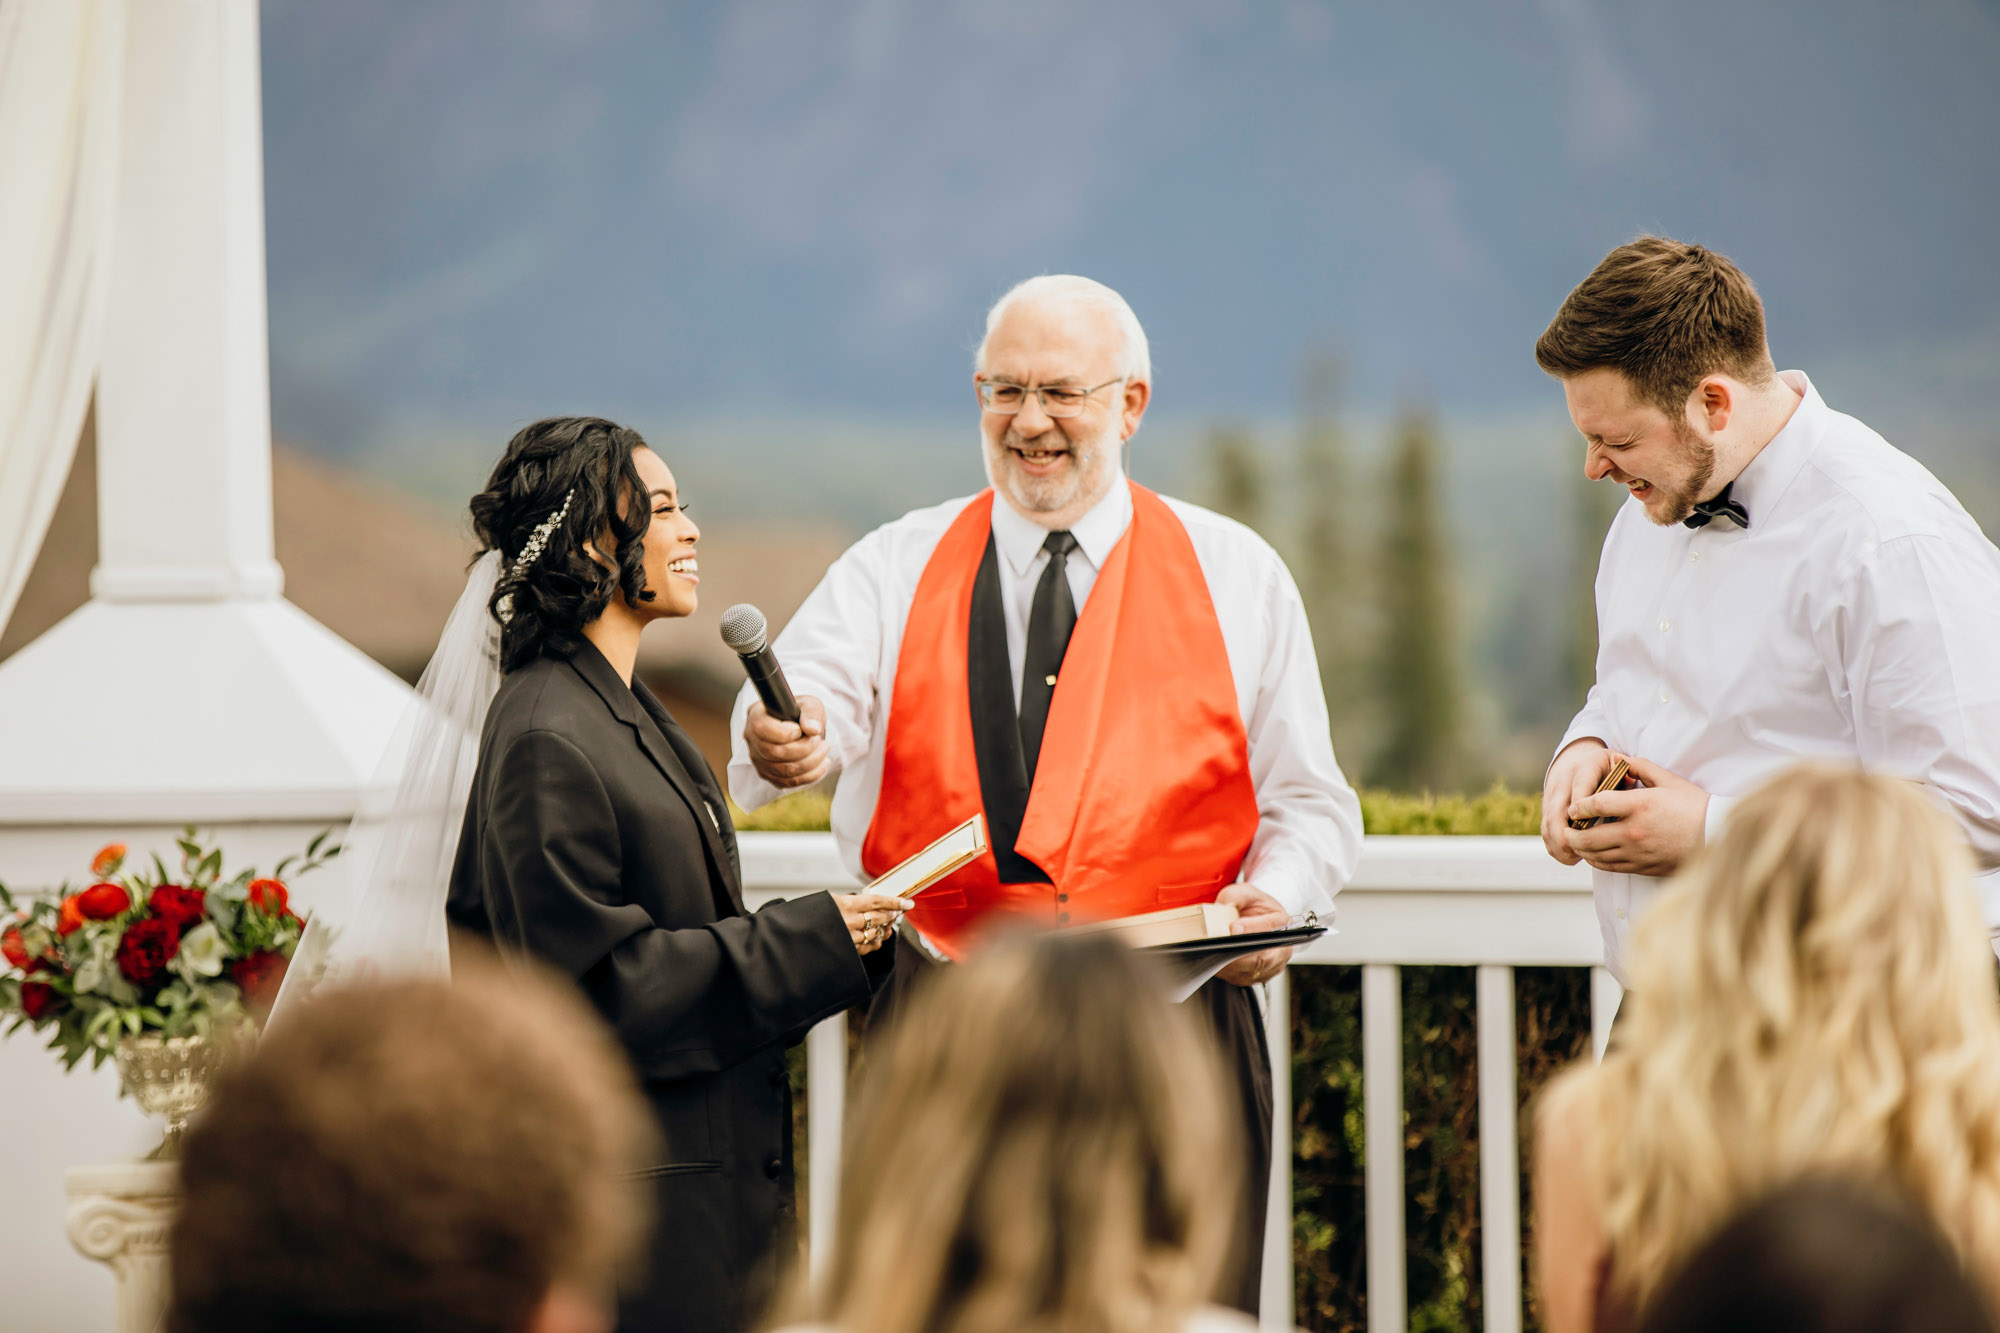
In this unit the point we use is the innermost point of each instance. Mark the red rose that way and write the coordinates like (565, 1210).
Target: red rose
(270, 895)
(101, 902)
(109, 857)
(71, 916)
(259, 974)
(183, 907)
(13, 948)
(149, 942)
(38, 1000)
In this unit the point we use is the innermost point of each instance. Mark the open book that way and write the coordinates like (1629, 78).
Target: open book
(933, 863)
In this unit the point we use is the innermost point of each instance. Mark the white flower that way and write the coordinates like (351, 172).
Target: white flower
(204, 950)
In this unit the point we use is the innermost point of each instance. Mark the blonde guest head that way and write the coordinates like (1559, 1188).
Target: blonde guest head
(1815, 994)
(1041, 1148)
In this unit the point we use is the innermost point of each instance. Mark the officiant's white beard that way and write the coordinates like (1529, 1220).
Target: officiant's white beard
(1085, 477)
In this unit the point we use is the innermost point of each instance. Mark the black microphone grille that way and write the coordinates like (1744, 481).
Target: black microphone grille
(743, 629)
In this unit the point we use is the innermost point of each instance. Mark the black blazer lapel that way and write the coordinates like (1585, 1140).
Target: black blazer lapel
(710, 818)
(720, 831)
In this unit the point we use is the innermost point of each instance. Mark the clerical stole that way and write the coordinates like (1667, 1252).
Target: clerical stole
(1142, 796)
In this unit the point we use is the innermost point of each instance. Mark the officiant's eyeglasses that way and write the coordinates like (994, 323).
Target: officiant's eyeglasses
(1058, 400)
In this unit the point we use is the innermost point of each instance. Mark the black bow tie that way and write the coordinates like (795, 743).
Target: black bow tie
(1721, 506)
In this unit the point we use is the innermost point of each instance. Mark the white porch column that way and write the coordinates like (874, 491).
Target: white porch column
(187, 690)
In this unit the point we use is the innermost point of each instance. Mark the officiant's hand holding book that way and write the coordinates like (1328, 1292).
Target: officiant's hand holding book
(1221, 938)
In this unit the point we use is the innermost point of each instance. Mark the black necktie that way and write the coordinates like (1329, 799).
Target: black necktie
(1050, 621)
(1721, 506)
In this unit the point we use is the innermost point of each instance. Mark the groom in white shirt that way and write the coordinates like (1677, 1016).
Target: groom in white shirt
(1123, 684)
(1782, 584)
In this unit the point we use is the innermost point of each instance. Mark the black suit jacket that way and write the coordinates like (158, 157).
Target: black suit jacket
(596, 838)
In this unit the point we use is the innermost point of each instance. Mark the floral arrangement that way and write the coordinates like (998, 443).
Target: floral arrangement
(151, 953)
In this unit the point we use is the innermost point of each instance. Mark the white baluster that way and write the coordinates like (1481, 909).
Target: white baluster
(1382, 1099)
(826, 1114)
(1605, 995)
(1499, 1152)
(1275, 1296)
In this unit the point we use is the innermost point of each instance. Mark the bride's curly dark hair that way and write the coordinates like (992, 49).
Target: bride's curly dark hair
(551, 598)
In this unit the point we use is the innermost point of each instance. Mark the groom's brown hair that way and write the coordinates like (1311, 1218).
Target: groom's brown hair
(1663, 314)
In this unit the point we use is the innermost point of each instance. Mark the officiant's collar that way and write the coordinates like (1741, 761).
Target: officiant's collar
(1020, 539)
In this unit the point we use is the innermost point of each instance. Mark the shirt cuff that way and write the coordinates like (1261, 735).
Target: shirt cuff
(1718, 811)
(748, 790)
(1285, 888)
(1575, 735)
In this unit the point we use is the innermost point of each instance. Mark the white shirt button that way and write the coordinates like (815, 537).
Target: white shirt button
(1694, 556)
(1664, 627)
(1621, 914)
(1663, 696)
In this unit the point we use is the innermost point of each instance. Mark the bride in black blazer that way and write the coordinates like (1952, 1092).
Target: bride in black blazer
(596, 838)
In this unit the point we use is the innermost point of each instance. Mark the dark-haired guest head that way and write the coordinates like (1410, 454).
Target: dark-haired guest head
(569, 507)
(1822, 1256)
(415, 1157)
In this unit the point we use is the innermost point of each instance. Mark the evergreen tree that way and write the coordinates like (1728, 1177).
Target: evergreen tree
(1594, 504)
(1419, 680)
(1327, 565)
(1236, 475)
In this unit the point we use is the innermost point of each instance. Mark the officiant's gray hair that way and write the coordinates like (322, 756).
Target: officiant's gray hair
(1136, 362)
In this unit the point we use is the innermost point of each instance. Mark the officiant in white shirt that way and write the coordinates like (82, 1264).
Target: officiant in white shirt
(1781, 584)
(1123, 684)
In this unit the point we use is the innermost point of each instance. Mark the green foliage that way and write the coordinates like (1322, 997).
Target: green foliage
(801, 812)
(1237, 475)
(1419, 678)
(1498, 811)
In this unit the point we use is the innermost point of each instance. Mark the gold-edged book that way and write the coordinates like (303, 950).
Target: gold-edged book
(1172, 925)
(1612, 781)
(933, 863)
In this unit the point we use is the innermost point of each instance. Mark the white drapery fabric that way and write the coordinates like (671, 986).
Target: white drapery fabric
(61, 66)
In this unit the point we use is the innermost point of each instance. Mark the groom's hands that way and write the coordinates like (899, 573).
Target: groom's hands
(789, 754)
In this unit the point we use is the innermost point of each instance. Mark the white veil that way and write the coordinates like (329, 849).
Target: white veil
(399, 849)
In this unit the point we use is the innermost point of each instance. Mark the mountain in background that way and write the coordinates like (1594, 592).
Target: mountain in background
(765, 233)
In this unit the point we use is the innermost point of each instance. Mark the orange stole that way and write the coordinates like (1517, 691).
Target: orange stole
(1142, 796)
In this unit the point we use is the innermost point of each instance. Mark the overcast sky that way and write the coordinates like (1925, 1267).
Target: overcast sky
(483, 210)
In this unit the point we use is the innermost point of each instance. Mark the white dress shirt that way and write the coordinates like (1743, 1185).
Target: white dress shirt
(843, 644)
(1857, 618)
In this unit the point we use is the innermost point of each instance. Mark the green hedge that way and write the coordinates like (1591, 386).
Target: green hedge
(1440, 1131)
(1496, 811)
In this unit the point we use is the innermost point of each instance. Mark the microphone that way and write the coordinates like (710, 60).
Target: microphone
(744, 630)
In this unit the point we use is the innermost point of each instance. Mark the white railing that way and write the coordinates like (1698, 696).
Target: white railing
(1489, 903)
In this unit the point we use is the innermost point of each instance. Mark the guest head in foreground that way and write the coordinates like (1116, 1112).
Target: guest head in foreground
(594, 539)
(1823, 1255)
(1044, 1143)
(1815, 994)
(417, 1155)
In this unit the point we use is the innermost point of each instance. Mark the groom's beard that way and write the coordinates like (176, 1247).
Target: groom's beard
(1676, 502)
